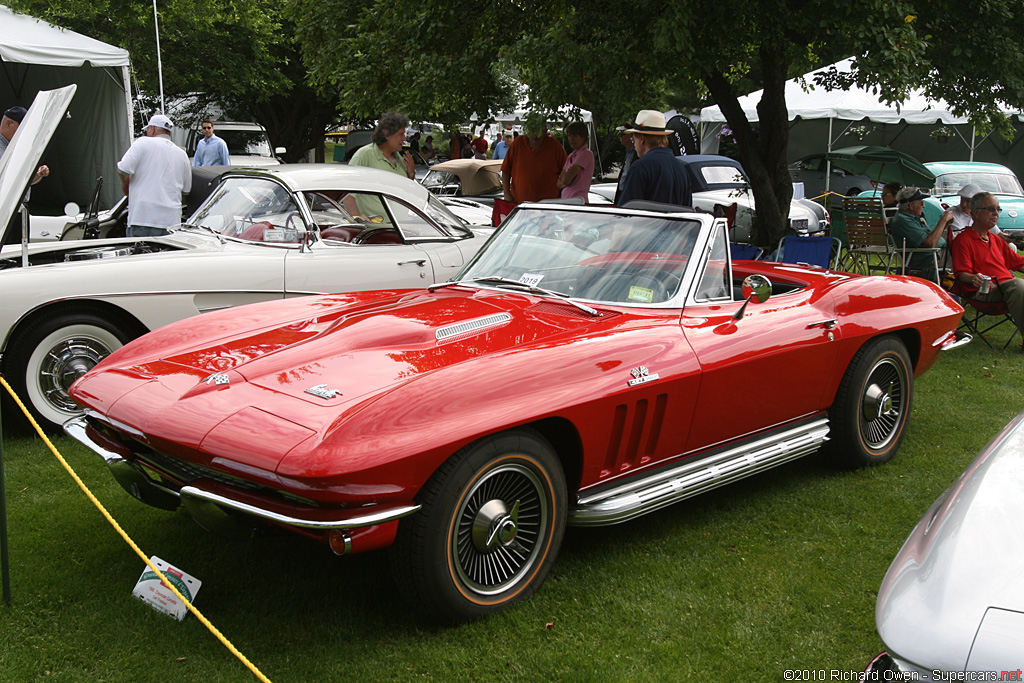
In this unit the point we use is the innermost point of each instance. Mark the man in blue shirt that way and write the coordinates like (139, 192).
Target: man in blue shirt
(501, 148)
(211, 150)
(656, 175)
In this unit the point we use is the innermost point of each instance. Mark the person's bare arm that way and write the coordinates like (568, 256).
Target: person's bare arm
(125, 180)
(568, 176)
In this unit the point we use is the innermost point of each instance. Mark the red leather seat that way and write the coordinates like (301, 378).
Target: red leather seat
(254, 233)
(340, 233)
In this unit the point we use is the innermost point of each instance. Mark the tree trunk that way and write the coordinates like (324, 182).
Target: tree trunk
(762, 151)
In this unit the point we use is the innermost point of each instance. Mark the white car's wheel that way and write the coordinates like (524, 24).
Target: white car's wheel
(48, 357)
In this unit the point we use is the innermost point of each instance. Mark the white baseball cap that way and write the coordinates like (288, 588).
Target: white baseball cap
(160, 121)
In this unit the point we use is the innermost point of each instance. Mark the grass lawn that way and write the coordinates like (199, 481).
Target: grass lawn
(779, 571)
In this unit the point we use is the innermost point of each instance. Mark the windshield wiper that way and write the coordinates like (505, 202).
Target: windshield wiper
(516, 284)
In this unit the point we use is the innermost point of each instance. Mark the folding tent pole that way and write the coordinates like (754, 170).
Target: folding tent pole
(5, 564)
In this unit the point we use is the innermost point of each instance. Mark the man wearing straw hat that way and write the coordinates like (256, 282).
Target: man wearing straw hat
(656, 175)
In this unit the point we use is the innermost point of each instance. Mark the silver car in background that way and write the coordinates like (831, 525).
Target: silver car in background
(951, 606)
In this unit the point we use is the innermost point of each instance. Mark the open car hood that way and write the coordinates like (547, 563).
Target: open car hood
(20, 161)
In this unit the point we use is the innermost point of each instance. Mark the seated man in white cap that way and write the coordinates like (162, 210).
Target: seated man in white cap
(656, 175)
(158, 173)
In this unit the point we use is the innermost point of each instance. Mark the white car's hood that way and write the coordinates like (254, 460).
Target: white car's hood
(952, 599)
(20, 160)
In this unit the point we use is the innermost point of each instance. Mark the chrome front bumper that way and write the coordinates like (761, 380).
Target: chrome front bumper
(208, 507)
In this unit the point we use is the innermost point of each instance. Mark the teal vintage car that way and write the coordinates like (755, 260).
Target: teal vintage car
(950, 176)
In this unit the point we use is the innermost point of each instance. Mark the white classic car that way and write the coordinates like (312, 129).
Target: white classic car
(269, 233)
(717, 182)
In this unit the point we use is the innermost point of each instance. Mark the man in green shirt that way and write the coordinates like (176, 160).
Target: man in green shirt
(909, 229)
(384, 153)
(385, 148)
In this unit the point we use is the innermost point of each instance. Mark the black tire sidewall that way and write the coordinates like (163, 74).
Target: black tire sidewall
(421, 558)
(847, 435)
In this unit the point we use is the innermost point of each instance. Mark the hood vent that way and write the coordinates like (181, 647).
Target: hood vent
(449, 332)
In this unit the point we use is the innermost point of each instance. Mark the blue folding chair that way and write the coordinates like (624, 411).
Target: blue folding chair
(817, 251)
(745, 252)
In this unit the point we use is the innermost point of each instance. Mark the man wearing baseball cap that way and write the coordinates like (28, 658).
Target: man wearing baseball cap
(12, 118)
(909, 229)
(158, 173)
(656, 175)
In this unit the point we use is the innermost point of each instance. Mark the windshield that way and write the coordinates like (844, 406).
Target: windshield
(246, 142)
(255, 209)
(605, 257)
(999, 183)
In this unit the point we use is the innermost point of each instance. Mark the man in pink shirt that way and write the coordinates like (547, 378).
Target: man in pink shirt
(574, 180)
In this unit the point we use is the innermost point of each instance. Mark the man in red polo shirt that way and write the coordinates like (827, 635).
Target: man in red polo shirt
(977, 254)
(531, 166)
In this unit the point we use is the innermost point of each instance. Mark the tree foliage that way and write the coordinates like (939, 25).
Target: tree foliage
(613, 59)
(239, 54)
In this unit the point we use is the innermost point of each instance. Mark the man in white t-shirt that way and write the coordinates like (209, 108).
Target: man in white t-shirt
(962, 212)
(158, 174)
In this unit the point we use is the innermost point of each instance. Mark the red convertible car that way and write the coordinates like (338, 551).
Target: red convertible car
(588, 366)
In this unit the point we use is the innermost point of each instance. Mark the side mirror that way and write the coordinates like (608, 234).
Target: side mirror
(71, 210)
(754, 287)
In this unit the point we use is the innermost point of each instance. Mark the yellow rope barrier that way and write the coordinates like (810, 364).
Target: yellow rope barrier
(138, 551)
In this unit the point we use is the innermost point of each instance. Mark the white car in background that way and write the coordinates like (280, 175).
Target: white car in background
(264, 233)
(717, 182)
(248, 143)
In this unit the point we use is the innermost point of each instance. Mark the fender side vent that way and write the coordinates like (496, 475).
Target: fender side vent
(471, 326)
(636, 430)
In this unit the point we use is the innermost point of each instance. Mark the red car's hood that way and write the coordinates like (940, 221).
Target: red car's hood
(329, 352)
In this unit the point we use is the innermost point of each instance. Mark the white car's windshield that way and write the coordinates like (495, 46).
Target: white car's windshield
(595, 256)
(248, 208)
(999, 183)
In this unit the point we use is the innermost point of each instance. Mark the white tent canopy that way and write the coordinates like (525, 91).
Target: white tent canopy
(822, 120)
(34, 56)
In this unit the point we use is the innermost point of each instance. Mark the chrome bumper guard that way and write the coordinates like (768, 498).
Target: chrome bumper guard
(136, 481)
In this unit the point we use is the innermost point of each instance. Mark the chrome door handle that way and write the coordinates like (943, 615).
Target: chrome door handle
(418, 262)
(827, 324)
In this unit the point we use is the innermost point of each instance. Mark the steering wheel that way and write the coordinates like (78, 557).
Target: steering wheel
(291, 217)
(369, 233)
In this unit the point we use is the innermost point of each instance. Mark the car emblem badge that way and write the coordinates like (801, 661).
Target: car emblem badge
(641, 375)
(322, 391)
(218, 378)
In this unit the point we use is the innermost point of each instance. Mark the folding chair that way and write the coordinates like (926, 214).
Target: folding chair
(870, 248)
(819, 251)
(983, 316)
(904, 254)
(976, 312)
(745, 252)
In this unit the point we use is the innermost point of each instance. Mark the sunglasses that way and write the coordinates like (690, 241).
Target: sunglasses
(207, 127)
(993, 209)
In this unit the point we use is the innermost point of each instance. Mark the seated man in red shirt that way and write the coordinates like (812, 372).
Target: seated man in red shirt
(977, 255)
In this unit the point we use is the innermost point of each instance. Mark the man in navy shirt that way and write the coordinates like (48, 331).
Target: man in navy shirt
(656, 175)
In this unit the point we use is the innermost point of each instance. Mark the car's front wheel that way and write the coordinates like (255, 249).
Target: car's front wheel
(44, 360)
(869, 416)
(490, 526)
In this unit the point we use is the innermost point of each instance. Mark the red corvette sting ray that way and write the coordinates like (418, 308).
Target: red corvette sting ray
(590, 365)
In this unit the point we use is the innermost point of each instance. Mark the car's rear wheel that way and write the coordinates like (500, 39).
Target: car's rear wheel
(490, 527)
(44, 360)
(869, 416)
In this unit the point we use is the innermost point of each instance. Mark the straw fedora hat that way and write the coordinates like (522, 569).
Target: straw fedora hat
(649, 122)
